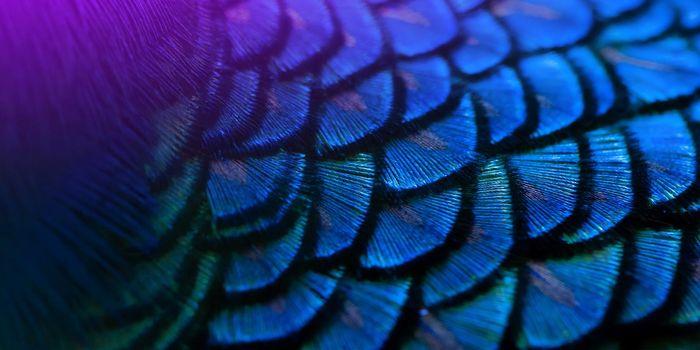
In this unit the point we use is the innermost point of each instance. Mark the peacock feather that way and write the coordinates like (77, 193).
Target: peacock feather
(358, 174)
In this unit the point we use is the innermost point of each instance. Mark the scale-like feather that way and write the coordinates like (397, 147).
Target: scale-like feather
(545, 24)
(473, 324)
(556, 90)
(548, 181)
(426, 83)
(431, 154)
(355, 174)
(418, 26)
(345, 192)
(502, 98)
(407, 231)
(655, 257)
(367, 314)
(278, 317)
(610, 198)
(486, 43)
(487, 244)
(565, 300)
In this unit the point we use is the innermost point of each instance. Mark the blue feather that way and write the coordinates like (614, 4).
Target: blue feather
(502, 98)
(362, 42)
(595, 78)
(276, 318)
(565, 300)
(689, 11)
(427, 85)
(474, 324)
(354, 114)
(434, 153)
(367, 314)
(253, 195)
(610, 196)
(688, 312)
(345, 192)
(545, 24)
(657, 19)
(418, 26)
(260, 265)
(463, 6)
(485, 45)
(556, 89)
(239, 105)
(286, 112)
(310, 32)
(487, 244)
(249, 35)
(641, 67)
(548, 181)
(611, 9)
(669, 154)
(405, 232)
(655, 258)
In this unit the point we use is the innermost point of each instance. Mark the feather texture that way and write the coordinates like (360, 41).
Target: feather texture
(441, 174)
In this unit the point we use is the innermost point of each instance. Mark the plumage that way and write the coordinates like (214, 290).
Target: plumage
(486, 43)
(556, 90)
(566, 299)
(345, 193)
(407, 231)
(350, 174)
(431, 154)
(502, 99)
(652, 22)
(655, 259)
(609, 198)
(548, 180)
(487, 243)
(427, 84)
